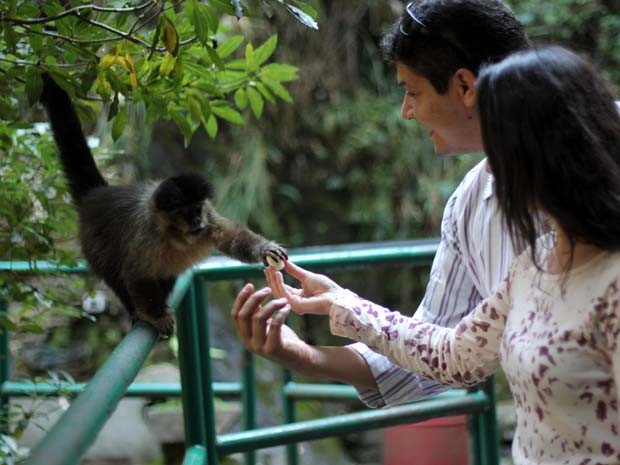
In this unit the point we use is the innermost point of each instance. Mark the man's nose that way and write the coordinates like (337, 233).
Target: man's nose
(407, 110)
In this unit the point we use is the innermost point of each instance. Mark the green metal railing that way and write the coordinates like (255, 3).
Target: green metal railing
(74, 432)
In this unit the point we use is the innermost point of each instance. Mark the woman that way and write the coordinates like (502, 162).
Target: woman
(551, 132)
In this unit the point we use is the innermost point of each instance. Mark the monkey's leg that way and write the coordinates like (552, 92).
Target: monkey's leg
(121, 292)
(149, 298)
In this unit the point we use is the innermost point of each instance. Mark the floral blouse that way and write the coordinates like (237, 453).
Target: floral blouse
(556, 338)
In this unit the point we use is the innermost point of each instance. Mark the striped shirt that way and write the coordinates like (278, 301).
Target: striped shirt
(473, 257)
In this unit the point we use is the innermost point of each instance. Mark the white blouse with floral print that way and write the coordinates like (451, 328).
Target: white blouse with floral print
(556, 338)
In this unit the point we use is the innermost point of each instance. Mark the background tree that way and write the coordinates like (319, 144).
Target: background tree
(183, 61)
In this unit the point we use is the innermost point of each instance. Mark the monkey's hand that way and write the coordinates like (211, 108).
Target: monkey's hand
(274, 255)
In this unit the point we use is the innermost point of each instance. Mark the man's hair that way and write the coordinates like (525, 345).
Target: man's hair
(551, 131)
(456, 34)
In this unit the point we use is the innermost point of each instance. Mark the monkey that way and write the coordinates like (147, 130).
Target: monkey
(139, 237)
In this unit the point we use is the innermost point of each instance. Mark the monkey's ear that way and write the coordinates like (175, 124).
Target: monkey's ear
(167, 196)
(182, 190)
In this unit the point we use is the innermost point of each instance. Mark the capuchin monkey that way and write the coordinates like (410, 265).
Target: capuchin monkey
(138, 238)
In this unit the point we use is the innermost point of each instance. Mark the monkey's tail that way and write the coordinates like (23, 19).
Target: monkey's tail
(77, 159)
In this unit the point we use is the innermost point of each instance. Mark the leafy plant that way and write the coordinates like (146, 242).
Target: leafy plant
(178, 58)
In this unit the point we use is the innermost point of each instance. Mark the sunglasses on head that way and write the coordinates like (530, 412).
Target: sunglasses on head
(410, 25)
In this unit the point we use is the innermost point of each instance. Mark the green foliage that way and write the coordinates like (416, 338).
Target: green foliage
(36, 212)
(175, 57)
(591, 27)
(177, 60)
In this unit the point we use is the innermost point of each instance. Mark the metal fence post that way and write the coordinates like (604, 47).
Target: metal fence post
(201, 308)
(5, 369)
(489, 434)
(248, 399)
(191, 374)
(288, 407)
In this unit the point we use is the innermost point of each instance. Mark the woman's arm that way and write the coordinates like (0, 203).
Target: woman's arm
(464, 355)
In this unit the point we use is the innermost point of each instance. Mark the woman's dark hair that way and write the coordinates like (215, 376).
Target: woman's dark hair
(551, 131)
(455, 34)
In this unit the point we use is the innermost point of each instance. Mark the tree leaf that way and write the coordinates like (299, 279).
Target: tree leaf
(223, 109)
(241, 99)
(264, 52)
(210, 126)
(194, 109)
(302, 17)
(10, 37)
(279, 72)
(229, 46)
(201, 22)
(103, 87)
(306, 8)
(256, 102)
(265, 92)
(119, 124)
(184, 126)
(250, 63)
(170, 35)
(167, 64)
(35, 38)
(213, 19)
(214, 56)
(224, 6)
(278, 89)
(34, 86)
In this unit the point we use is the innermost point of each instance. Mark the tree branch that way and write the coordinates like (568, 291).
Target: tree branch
(37, 63)
(75, 12)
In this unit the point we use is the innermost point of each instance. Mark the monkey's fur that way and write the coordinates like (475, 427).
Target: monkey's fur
(138, 238)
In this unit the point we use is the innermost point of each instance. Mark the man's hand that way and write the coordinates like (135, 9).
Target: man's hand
(316, 293)
(264, 333)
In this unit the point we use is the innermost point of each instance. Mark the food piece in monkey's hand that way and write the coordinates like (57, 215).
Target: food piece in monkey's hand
(276, 263)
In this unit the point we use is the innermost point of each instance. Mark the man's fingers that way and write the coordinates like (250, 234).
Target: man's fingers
(259, 322)
(243, 318)
(274, 336)
(243, 295)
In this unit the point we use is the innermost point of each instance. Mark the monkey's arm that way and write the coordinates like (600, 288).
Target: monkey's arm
(239, 242)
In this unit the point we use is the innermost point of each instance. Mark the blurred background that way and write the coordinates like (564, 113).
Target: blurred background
(336, 166)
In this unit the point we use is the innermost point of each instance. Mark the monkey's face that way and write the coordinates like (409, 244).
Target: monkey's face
(190, 220)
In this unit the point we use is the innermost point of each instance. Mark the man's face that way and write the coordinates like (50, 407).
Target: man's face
(453, 125)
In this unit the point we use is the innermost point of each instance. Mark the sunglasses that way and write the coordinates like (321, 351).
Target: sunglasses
(410, 25)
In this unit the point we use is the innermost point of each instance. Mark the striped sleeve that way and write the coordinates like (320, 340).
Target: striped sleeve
(450, 295)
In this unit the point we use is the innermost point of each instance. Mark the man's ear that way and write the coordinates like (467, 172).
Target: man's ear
(464, 81)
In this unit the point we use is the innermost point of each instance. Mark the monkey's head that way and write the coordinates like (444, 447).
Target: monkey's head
(180, 203)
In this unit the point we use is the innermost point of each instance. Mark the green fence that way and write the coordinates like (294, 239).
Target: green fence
(69, 439)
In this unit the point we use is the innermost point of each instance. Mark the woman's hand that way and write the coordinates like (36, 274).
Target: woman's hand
(315, 296)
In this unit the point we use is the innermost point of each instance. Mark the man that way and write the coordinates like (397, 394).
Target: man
(437, 47)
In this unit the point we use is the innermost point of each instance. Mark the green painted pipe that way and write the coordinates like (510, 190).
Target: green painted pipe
(151, 390)
(5, 368)
(72, 435)
(41, 266)
(352, 422)
(191, 373)
(415, 252)
(203, 365)
(195, 455)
